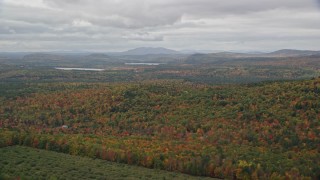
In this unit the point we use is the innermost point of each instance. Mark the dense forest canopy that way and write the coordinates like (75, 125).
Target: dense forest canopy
(220, 131)
(222, 115)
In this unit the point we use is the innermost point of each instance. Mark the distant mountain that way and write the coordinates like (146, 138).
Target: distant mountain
(187, 51)
(214, 57)
(98, 56)
(292, 52)
(317, 55)
(279, 53)
(254, 52)
(14, 55)
(43, 56)
(149, 50)
(69, 53)
(221, 57)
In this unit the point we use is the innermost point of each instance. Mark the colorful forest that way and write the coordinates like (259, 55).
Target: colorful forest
(259, 131)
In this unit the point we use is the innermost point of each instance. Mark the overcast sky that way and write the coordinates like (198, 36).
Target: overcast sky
(115, 25)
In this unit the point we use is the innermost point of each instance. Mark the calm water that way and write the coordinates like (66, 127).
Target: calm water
(79, 69)
(147, 64)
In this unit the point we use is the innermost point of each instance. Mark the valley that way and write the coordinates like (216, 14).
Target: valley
(220, 119)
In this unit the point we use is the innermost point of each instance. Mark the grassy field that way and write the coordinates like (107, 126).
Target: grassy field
(29, 163)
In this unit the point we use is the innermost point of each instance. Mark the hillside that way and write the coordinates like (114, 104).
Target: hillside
(29, 163)
(293, 52)
(231, 56)
(219, 131)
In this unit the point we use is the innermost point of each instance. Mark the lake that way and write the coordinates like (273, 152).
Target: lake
(79, 69)
(147, 64)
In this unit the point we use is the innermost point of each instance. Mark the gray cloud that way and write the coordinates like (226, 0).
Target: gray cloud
(145, 36)
(180, 24)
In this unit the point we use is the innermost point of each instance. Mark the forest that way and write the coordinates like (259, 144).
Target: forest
(159, 89)
(28, 163)
(224, 115)
(265, 130)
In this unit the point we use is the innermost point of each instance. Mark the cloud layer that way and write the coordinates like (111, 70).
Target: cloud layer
(108, 25)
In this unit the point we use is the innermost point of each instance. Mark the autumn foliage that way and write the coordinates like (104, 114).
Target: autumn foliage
(260, 131)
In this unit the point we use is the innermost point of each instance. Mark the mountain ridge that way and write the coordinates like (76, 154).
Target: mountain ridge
(148, 51)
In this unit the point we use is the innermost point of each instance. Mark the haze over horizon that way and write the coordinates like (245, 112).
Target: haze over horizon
(118, 25)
